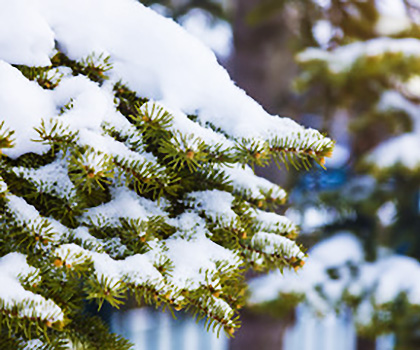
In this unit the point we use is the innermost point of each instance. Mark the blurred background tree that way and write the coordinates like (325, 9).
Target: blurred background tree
(358, 81)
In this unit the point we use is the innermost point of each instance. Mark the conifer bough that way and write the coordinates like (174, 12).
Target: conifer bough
(127, 160)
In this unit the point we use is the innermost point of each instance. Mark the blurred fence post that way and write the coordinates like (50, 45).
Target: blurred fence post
(149, 329)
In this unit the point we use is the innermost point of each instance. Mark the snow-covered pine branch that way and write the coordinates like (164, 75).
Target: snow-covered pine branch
(127, 157)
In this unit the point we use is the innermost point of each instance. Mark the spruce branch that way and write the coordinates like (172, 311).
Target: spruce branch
(6, 140)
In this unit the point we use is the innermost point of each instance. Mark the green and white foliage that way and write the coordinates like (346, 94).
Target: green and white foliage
(367, 64)
(366, 71)
(337, 276)
(360, 69)
(127, 158)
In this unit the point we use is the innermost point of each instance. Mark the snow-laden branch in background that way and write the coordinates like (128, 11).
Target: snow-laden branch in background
(337, 271)
(401, 150)
(343, 58)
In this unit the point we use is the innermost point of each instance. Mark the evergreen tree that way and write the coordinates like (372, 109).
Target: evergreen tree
(359, 62)
(127, 159)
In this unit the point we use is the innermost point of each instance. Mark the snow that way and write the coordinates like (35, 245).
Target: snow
(31, 219)
(189, 223)
(181, 123)
(244, 180)
(413, 85)
(215, 204)
(273, 221)
(16, 46)
(105, 144)
(92, 109)
(342, 58)
(33, 344)
(82, 234)
(272, 243)
(339, 249)
(194, 255)
(364, 315)
(326, 4)
(393, 100)
(323, 31)
(223, 305)
(387, 278)
(400, 150)
(190, 81)
(393, 17)
(137, 269)
(90, 104)
(267, 288)
(391, 7)
(387, 213)
(124, 204)
(13, 267)
(194, 261)
(71, 254)
(3, 186)
(311, 218)
(46, 178)
(22, 117)
(398, 274)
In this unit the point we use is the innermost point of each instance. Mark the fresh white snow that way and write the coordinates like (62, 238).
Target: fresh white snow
(22, 117)
(402, 149)
(13, 268)
(167, 65)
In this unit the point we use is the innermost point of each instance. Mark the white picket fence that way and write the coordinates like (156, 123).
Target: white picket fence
(152, 330)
